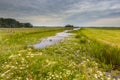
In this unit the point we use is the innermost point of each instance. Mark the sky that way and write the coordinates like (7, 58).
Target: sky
(62, 12)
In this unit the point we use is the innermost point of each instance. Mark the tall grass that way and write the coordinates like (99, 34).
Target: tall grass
(104, 52)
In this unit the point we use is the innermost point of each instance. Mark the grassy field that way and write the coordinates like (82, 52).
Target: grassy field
(108, 36)
(104, 44)
(81, 57)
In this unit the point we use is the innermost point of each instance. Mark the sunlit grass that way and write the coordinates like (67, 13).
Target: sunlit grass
(109, 36)
(102, 44)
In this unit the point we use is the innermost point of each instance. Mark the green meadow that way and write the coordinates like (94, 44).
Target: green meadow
(89, 54)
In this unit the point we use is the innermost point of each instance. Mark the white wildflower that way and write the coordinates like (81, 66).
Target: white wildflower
(5, 73)
(96, 76)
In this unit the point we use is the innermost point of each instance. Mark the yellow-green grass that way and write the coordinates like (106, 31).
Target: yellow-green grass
(16, 39)
(109, 36)
(12, 31)
(102, 43)
(15, 35)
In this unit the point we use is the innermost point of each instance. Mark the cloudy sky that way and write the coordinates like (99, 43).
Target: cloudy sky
(61, 12)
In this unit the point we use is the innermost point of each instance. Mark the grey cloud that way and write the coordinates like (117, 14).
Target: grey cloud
(92, 11)
(71, 11)
(38, 7)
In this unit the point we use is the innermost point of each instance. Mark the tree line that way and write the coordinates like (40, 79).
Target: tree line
(12, 23)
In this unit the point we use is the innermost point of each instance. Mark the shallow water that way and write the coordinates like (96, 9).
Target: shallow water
(53, 39)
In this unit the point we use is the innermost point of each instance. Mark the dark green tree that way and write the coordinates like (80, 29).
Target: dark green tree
(12, 23)
(28, 25)
(69, 26)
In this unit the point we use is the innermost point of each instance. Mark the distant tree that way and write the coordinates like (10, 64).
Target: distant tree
(28, 25)
(11, 23)
(69, 26)
(0, 22)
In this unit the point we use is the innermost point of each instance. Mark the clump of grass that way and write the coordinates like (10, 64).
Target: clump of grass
(81, 37)
(78, 35)
(105, 53)
(83, 40)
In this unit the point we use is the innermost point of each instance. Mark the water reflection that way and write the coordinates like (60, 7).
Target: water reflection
(53, 39)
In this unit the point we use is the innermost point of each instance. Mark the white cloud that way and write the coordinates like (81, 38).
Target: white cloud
(86, 6)
(106, 22)
(42, 20)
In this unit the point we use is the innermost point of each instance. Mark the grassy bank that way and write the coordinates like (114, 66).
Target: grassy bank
(64, 61)
(102, 44)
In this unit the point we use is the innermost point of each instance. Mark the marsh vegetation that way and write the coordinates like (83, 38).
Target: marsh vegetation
(89, 54)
